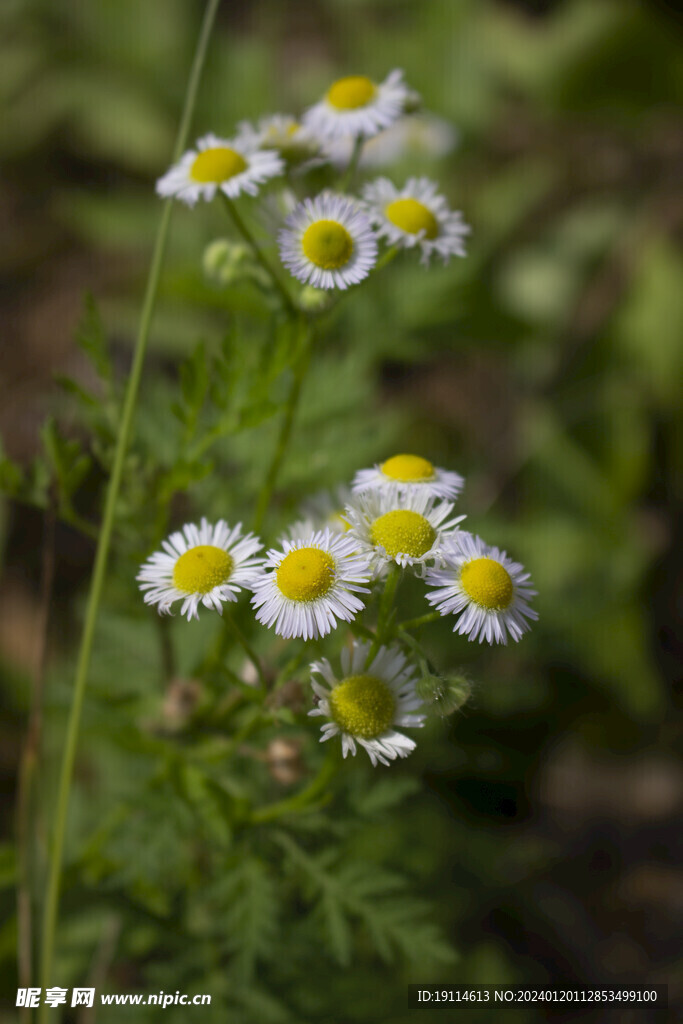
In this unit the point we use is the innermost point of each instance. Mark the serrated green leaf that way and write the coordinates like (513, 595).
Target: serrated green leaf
(91, 338)
(194, 381)
(384, 794)
(72, 387)
(11, 476)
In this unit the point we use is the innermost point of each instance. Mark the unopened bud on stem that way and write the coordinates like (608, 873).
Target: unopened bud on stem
(444, 694)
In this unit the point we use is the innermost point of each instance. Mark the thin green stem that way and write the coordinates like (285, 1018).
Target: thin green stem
(248, 237)
(62, 515)
(302, 800)
(100, 566)
(216, 655)
(300, 371)
(29, 770)
(350, 173)
(384, 612)
(166, 649)
(247, 730)
(422, 620)
(247, 648)
(416, 648)
(386, 258)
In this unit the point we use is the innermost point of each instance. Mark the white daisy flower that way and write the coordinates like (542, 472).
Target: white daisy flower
(357, 106)
(485, 588)
(314, 582)
(283, 133)
(328, 242)
(231, 166)
(394, 526)
(201, 564)
(409, 473)
(415, 215)
(325, 509)
(417, 136)
(367, 703)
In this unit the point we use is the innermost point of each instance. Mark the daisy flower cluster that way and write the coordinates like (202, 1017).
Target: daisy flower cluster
(331, 240)
(396, 518)
(349, 549)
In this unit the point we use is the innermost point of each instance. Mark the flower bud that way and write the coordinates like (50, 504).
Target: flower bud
(313, 299)
(223, 256)
(444, 694)
(227, 263)
(283, 758)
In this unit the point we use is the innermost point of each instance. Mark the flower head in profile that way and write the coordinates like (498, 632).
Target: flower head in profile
(416, 136)
(357, 106)
(486, 590)
(312, 583)
(410, 473)
(283, 133)
(328, 242)
(202, 564)
(392, 526)
(415, 216)
(323, 510)
(231, 166)
(366, 703)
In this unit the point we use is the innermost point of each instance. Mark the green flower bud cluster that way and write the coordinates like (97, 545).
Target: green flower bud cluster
(229, 263)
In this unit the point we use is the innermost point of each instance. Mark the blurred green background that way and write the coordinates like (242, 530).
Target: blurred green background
(546, 367)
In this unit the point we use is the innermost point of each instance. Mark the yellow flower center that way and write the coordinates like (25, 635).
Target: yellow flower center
(216, 165)
(412, 217)
(403, 532)
(338, 520)
(327, 244)
(487, 583)
(408, 469)
(201, 569)
(305, 574)
(351, 92)
(363, 706)
(277, 136)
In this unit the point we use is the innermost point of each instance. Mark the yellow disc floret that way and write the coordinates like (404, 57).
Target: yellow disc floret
(328, 244)
(351, 92)
(305, 574)
(403, 532)
(409, 469)
(412, 217)
(363, 706)
(213, 166)
(201, 569)
(487, 583)
(339, 520)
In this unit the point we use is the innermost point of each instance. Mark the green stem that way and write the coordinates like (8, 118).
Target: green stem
(166, 649)
(416, 648)
(247, 648)
(300, 801)
(422, 620)
(100, 566)
(270, 480)
(384, 612)
(29, 772)
(386, 258)
(252, 726)
(350, 173)
(258, 252)
(217, 654)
